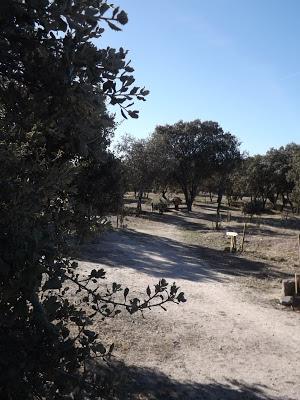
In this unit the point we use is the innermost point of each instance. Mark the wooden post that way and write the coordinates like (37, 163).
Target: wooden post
(232, 236)
(228, 216)
(243, 238)
(234, 244)
(217, 220)
(231, 244)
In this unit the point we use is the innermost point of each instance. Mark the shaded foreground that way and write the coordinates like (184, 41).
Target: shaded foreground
(134, 383)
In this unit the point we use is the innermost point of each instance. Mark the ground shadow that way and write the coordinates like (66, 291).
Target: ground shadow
(175, 218)
(168, 258)
(193, 221)
(134, 383)
(292, 223)
(267, 218)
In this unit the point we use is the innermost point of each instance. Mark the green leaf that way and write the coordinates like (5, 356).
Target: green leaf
(133, 114)
(123, 114)
(122, 18)
(115, 12)
(163, 282)
(104, 7)
(98, 347)
(181, 297)
(129, 69)
(89, 334)
(126, 291)
(113, 26)
(148, 291)
(111, 347)
(134, 90)
(90, 12)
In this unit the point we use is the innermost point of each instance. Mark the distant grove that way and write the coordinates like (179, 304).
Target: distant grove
(199, 156)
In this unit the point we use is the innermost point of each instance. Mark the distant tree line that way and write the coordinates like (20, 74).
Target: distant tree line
(273, 177)
(199, 156)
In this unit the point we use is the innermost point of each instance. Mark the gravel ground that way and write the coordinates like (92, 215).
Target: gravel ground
(230, 340)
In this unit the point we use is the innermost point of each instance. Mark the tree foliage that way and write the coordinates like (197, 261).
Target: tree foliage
(55, 174)
(181, 156)
(270, 177)
(138, 163)
(195, 150)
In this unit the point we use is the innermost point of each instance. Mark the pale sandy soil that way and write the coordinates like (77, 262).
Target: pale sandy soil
(229, 341)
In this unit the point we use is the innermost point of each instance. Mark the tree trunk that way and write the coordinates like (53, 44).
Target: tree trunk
(283, 202)
(139, 202)
(218, 219)
(273, 199)
(291, 204)
(219, 200)
(163, 194)
(188, 199)
(189, 205)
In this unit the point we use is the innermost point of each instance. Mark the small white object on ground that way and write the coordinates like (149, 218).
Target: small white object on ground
(232, 236)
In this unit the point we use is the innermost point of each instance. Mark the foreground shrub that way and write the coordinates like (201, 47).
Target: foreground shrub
(54, 147)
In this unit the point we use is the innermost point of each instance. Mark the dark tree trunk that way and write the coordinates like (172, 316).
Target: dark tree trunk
(139, 202)
(283, 202)
(189, 205)
(290, 203)
(274, 200)
(163, 194)
(188, 199)
(219, 200)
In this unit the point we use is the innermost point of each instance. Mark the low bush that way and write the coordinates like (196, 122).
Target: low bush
(160, 204)
(253, 207)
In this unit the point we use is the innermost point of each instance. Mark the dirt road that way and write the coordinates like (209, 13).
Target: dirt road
(224, 343)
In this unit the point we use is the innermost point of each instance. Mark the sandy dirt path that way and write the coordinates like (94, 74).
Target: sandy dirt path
(221, 344)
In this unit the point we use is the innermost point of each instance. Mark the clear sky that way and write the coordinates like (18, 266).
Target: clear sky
(232, 61)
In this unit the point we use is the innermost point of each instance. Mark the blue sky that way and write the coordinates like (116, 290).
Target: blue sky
(232, 61)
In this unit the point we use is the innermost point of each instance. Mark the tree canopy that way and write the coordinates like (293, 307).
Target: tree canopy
(55, 131)
(196, 150)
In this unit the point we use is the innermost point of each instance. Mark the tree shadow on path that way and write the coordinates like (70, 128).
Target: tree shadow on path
(168, 258)
(135, 383)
